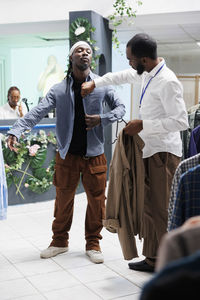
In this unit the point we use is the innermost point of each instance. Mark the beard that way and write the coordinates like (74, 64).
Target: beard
(83, 67)
(13, 104)
(140, 69)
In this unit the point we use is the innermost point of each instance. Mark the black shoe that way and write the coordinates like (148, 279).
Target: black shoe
(141, 266)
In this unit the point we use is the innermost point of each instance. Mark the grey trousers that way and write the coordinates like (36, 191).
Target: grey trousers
(159, 172)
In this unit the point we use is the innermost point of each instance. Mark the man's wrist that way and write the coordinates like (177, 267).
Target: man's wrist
(95, 81)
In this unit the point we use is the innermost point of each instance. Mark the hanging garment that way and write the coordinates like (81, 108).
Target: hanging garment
(125, 199)
(184, 166)
(187, 203)
(194, 145)
(3, 188)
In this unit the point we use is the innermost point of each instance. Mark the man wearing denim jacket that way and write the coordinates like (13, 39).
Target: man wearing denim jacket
(80, 138)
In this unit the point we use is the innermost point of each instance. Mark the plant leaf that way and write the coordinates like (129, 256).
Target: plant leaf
(9, 156)
(40, 173)
(38, 160)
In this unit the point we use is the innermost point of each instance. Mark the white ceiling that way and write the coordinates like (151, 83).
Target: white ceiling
(34, 34)
(174, 32)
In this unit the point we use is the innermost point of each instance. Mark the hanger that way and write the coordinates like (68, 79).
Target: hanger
(117, 128)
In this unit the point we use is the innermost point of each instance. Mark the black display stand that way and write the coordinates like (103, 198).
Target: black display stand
(103, 36)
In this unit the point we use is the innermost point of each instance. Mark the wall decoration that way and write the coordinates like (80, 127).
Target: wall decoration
(81, 30)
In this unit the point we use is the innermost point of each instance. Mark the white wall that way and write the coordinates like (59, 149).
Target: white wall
(28, 63)
(120, 62)
(5, 55)
(184, 64)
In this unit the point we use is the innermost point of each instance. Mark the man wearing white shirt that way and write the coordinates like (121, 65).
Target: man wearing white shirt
(162, 116)
(13, 109)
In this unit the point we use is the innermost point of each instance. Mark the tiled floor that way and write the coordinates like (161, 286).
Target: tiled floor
(69, 276)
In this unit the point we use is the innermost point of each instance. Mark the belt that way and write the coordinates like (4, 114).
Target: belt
(85, 157)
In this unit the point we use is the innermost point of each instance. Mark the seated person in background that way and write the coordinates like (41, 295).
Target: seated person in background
(13, 109)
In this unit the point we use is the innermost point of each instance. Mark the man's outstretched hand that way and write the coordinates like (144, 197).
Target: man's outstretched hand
(133, 127)
(87, 88)
(11, 142)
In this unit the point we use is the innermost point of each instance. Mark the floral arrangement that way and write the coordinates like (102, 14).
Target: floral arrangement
(25, 167)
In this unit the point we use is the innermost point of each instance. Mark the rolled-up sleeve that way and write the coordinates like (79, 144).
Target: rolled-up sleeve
(116, 105)
(117, 78)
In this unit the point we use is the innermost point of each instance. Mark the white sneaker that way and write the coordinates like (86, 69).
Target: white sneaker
(95, 256)
(53, 251)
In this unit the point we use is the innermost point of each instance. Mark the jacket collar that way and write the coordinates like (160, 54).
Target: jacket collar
(90, 76)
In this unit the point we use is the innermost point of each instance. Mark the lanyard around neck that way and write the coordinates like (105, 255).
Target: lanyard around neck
(144, 88)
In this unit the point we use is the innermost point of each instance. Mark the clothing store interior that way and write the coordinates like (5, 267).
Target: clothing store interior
(129, 179)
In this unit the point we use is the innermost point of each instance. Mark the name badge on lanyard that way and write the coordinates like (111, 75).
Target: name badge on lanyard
(145, 88)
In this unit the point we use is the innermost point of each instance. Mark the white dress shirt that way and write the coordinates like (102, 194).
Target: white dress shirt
(162, 108)
(7, 112)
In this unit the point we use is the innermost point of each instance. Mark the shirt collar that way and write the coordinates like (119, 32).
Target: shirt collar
(156, 68)
(90, 76)
(9, 107)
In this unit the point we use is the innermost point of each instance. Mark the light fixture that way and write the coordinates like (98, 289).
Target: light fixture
(198, 43)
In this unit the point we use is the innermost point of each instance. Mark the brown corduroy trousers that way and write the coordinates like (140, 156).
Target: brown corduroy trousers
(66, 178)
(159, 172)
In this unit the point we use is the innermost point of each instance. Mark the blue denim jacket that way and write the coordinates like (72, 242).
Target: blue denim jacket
(61, 97)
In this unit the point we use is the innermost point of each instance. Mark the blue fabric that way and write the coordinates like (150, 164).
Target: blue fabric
(61, 97)
(194, 145)
(3, 188)
(178, 280)
(184, 166)
(187, 203)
